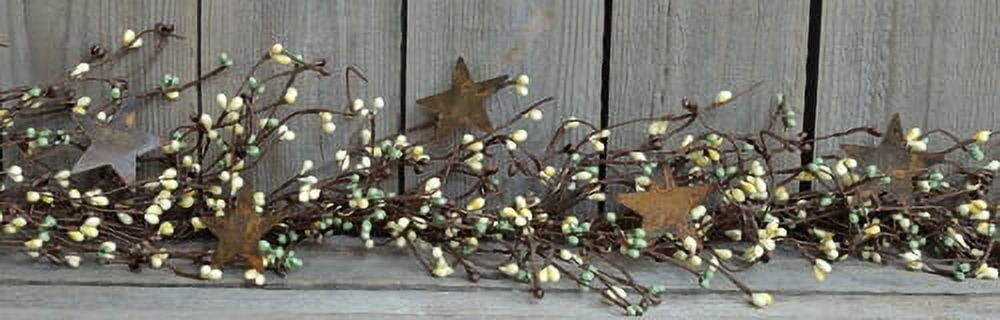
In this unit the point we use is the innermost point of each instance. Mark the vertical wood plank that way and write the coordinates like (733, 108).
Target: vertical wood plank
(556, 42)
(663, 51)
(49, 38)
(934, 62)
(361, 33)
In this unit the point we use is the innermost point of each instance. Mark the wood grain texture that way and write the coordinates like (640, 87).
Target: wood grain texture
(340, 279)
(361, 33)
(664, 51)
(556, 42)
(935, 62)
(342, 263)
(49, 38)
(61, 302)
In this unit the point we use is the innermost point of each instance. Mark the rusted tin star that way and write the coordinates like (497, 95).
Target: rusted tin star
(464, 104)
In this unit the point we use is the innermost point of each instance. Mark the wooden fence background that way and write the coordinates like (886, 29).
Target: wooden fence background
(840, 63)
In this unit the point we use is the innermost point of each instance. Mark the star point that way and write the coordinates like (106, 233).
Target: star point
(464, 103)
(667, 208)
(239, 231)
(893, 157)
(116, 145)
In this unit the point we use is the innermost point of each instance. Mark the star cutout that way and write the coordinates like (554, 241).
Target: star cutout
(667, 208)
(239, 231)
(464, 104)
(116, 144)
(893, 158)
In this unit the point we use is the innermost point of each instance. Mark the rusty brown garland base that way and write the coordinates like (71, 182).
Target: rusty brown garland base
(932, 218)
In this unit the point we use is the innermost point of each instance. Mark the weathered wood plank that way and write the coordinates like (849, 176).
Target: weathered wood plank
(60, 302)
(341, 263)
(664, 51)
(556, 42)
(361, 33)
(49, 38)
(935, 62)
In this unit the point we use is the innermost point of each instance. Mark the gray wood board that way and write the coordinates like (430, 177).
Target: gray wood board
(341, 263)
(557, 43)
(361, 33)
(664, 51)
(49, 38)
(90, 302)
(934, 62)
(340, 279)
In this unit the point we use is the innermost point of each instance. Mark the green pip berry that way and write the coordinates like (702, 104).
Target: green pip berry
(963, 267)
(871, 171)
(779, 99)
(639, 233)
(253, 151)
(170, 80)
(975, 152)
(611, 217)
(791, 123)
(657, 289)
(705, 279)
(853, 218)
(224, 60)
(958, 276)
(720, 172)
(572, 240)
(253, 83)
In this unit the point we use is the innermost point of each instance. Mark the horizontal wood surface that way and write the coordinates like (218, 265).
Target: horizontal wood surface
(342, 279)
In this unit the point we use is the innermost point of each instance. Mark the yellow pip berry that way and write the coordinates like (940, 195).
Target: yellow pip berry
(913, 134)
(72, 261)
(80, 70)
(75, 235)
(723, 97)
(476, 204)
(128, 37)
(166, 229)
(982, 136)
(33, 196)
(33, 244)
(282, 59)
(92, 222)
(522, 80)
(761, 299)
(197, 224)
(521, 90)
(873, 230)
(291, 95)
(277, 48)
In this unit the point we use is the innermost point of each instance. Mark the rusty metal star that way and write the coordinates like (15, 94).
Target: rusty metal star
(117, 144)
(894, 159)
(667, 208)
(239, 231)
(464, 104)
